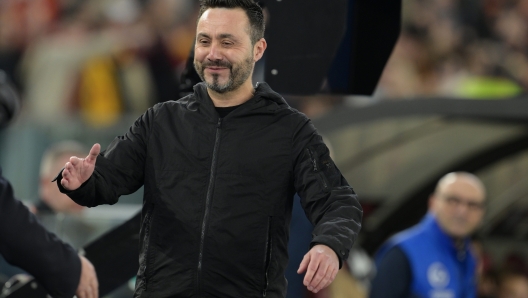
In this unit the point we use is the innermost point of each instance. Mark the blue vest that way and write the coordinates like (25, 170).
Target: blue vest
(439, 270)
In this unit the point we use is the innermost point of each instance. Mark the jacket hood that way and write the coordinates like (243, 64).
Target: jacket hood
(262, 91)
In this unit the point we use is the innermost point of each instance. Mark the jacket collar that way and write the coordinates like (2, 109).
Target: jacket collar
(264, 95)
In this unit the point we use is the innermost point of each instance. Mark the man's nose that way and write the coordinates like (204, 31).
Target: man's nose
(463, 207)
(214, 52)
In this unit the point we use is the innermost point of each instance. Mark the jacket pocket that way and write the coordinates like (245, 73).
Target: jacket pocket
(267, 256)
(317, 169)
(144, 263)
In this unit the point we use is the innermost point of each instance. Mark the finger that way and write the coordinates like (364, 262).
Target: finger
(324, 274)
(92, 156)
(87, 293)
(69, 169)
(333, 275)
(304, 263)
(319, 277)
(65, 183)
(81, 294)
(312, 269)
(74, 160)
(66, 174)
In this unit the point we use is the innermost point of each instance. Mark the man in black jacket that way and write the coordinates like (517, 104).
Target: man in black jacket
(26, 244)
(220, 168)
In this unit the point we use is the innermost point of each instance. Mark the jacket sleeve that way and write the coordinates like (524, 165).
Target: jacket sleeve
(328, 200)
(119, 170)
(27, 244)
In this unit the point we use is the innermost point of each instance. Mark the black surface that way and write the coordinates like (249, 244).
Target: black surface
(373, 28)
(115, 255)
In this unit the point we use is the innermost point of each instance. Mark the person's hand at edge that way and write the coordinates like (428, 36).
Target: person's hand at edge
(78, 170)
(88, 284)
(321, 265)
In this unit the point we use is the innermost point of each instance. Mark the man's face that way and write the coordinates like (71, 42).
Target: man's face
(459, 207)
(223, 53)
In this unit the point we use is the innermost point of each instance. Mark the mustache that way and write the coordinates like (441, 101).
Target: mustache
(216, 64)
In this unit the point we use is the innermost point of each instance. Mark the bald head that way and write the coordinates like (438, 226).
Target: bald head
(458, 203)
(465, 177)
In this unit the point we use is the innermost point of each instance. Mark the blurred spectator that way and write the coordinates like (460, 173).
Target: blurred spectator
(471, 49)
(53, 207)
(514, 262)
(486, 275)
(434, 258)
(513, 285)
(22, 21)
(50, 64)
(105, 58)
(50, 199)
(57, 212)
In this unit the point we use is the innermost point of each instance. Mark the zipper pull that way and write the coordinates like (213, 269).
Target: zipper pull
(219, 124)
(312, 159)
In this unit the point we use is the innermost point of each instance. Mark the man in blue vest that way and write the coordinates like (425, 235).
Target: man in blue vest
(433, 259)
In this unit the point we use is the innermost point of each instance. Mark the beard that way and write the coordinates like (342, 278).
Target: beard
(238, 74)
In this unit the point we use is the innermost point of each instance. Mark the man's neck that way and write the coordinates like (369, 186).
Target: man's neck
(232, 98)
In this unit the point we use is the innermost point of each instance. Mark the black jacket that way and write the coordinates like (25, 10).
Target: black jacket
(26, 244)
(218, 194)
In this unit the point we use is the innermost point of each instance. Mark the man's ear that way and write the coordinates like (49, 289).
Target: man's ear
(259, 48)
(431, 203)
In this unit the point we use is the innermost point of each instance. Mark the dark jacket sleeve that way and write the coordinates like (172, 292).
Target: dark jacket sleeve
(328, 200)
(119, 170)
(26, 244)
(393, 276)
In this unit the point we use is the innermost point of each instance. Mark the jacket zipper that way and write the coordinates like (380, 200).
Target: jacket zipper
(315, 168)
(146, 239)
(208, 202)
(267, 257)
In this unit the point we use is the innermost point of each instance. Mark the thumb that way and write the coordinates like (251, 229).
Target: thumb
(92, 156)
(304, 263)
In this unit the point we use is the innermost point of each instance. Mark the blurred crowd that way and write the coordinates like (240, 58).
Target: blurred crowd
(98, 59)
(505, 279)
(459, 48)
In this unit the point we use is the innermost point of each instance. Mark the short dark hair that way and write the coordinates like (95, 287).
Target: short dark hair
(252, 9)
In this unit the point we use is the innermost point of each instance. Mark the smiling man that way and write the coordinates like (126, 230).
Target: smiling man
(433, 259)
(220, 168)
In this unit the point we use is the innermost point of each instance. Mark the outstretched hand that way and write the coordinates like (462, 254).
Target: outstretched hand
(78, 170)
(322, 264)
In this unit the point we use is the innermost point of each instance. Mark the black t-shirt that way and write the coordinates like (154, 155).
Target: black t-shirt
(222, 112)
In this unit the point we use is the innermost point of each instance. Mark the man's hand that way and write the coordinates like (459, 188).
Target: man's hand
(322, 264)
(78, 170)
(88, 284)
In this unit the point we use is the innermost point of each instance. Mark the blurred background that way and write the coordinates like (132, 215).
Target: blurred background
(450, 95)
